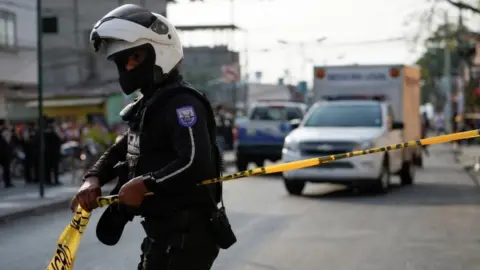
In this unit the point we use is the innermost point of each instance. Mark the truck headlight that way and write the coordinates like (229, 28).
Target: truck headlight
(290, 144)
(364, 145)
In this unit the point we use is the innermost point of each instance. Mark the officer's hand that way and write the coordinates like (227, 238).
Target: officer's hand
(87, 195)
(133, 192)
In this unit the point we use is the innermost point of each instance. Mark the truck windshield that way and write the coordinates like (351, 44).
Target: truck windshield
(345, 115)
(276, 113)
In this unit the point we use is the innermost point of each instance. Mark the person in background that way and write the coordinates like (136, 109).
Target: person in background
(228, 135)
(6, 152)
(52, 152)
(425, 129)
(29, 149)
(221, 122)
(439, 124)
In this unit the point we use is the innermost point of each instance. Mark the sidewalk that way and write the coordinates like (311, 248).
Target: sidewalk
(24, 200)
(469, 157)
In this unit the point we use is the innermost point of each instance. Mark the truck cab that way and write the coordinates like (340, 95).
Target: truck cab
(340, 126)
(261, 135)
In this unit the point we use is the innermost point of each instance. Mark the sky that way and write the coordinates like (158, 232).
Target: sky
(345, 25)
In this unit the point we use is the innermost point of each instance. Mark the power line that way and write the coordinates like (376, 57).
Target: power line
(367, 42)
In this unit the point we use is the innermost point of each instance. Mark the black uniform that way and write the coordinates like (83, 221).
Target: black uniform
(6, 154)
(173, 141)
(30, 149)
(51, 156)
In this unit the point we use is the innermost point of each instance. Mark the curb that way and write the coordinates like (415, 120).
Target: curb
(35, 211)
(468, 170)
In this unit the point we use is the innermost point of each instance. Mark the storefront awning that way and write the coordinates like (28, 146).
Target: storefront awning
(67, 102)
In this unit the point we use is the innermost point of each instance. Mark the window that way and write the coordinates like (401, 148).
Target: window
(8, 35)
(294, 113)
(345, 115)
(276, 113)
(50, 25)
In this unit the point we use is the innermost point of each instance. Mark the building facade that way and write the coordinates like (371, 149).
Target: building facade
(202, 67)
(68, 58)
(18, 57)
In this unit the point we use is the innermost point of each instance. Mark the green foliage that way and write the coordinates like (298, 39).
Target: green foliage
(433, 59)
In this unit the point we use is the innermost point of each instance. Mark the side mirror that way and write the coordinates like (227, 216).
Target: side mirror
(294, 123)
(397, 125)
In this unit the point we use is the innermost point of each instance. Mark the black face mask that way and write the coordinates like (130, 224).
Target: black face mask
(142, 76)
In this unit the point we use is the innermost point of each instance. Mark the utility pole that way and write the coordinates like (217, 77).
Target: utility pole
(234, 64)
(303, 56)
(76, 32)
(246, 78)
(447, 77)
(41, 124)
(463, 68)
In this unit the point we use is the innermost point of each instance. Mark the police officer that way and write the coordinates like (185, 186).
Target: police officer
(221, 122)
(53, 143)
(6, 152)
(52, 152)
(169, 147)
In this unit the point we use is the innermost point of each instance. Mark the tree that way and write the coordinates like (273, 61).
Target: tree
(464, 6)
(432, 60)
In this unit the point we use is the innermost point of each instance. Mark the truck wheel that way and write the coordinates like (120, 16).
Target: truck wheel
(241, 162)
(407, 173)
(260, 163)
(382, 183)
(418, 160)
(294, 187)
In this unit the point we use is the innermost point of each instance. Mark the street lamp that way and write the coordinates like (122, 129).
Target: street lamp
(301, 46)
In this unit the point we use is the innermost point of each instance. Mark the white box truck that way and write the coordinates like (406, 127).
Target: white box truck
(398, 85)
(352, 108)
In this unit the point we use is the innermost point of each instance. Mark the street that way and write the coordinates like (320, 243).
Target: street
(434, 224)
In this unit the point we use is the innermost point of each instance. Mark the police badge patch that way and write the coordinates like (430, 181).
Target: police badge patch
(186, 116)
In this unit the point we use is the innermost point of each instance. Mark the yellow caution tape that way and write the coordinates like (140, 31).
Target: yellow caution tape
(69, 240)
(295, 165)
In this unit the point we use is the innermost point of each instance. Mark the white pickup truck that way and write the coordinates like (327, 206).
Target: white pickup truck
(336, 127)
(358, 107)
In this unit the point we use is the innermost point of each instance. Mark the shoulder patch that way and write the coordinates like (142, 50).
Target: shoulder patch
(186, 116)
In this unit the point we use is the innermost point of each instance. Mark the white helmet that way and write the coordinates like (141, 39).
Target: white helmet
(131, 26)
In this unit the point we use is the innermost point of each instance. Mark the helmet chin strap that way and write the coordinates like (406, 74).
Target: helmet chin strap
(158, 75)
(158, 78)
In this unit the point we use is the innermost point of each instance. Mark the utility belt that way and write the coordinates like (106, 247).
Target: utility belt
(179, 222)
(112, 222)
(215, 223)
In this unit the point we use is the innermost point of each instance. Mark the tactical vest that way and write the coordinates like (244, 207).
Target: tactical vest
(160, 98)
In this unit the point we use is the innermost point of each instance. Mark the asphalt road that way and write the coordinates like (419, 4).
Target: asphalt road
(432, 225)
